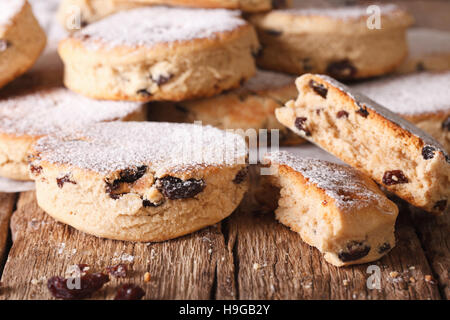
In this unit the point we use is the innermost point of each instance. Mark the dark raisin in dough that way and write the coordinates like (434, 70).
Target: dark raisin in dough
(300, 125)
(66, 179)
(162, 79)
(274, 33)
(384, 248)
(362, 111)
(394, 177)
(241, 176)
(342, 114)
(36, 170)
(354, 250)
(428, 152)
(132, 175)
(175, 188)
(342, 69)
(144, 93)
(318, 88)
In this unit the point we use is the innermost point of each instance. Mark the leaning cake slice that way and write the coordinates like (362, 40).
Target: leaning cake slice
(333, 207)
(395, 153)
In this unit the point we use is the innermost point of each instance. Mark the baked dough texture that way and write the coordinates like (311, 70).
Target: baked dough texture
(140, 181)
(28, 114)
(396, 154)
(160, 53)
(429, 50)
(333, 41)
(421, 98)
(334, 208)
(21, 39)
(252, 106)
(89, 11)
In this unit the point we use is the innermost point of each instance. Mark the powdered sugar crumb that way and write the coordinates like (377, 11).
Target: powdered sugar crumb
(411, 94)
(340, 182)
(164, 147)
(342, 13)
(51, 110)
(154, 25)
(8, 9)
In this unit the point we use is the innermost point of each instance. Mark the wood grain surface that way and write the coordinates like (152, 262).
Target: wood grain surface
(7, 202)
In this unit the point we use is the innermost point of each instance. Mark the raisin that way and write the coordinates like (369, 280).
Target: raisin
(162, 79)
(440, 205)
(66, 179)
(175, 188)
(36, 170)
(428, 152)
(342, 69)
(181, 108)
(278, 4)
(132, 175)
(4, 44)
(394, 177)
(362, 111)
(354, 250)
(384, 247)
(144, 93)
(241, 176)
(110, 188)
(446, 124)
(129, 292)
(318, 88)
(300, 125)
(342, 114)
(420, 67)
(274, 33)
(307, 64)
(118, 271)
(148, 203)
(89, 284)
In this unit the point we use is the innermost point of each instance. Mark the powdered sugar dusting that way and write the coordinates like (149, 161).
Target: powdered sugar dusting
(164, 147)
(422, 41)
(51, 110)
(340, 182)
(266, 80)
(362, 100)
(154, 25)
(8, 9)
(341, 13)
(411, 94)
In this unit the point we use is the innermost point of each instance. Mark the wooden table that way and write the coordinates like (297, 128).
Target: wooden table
(247, 256)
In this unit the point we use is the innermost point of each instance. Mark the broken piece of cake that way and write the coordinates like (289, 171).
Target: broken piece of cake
(333, 207)
(400, 157)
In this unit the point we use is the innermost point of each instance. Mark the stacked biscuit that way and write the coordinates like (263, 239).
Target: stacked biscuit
(101, 168)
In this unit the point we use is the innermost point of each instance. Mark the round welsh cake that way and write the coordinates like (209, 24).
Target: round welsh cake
(160, 53)
(21, 39)
(140, 181)
(27, 115)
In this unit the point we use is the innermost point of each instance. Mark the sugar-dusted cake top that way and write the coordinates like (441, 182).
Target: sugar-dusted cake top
(340, 182)
(47, 111)
(154, 25)
(418, 93)
(164, 147)
(8, 9)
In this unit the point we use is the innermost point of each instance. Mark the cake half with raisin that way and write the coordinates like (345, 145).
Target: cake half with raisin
(140, 181)
(396, 154)
(335, 208)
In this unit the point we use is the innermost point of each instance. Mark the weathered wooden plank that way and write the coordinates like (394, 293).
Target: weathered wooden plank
(434, 234)
(273, 263)
(7, 201)
(191, 267)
